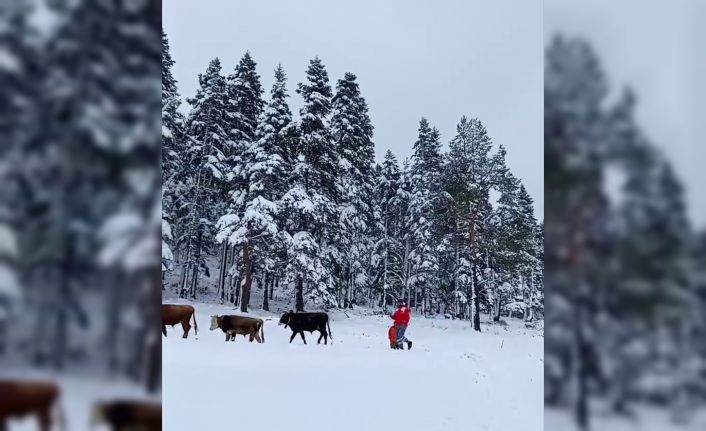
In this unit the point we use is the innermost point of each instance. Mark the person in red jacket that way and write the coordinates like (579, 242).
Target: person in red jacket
(401, 317)
(392, 336)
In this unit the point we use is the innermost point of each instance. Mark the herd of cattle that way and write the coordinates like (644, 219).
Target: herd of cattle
(40, 399)
(252, 327)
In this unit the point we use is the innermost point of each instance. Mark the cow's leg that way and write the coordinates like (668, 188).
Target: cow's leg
(44, 419)
(164, 331)
(302, 334)
(257, 338)
(186, 326)
(325, 334)
(294, 334)
(321, 334)
(227, 336)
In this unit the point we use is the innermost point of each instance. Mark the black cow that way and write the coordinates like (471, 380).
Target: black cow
(300, 322)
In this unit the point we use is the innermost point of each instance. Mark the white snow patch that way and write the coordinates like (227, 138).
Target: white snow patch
(645, 420)
(9, 62)
(8, 243)
(9, 287)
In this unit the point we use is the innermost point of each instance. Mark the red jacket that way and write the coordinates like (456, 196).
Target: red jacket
(402, 316)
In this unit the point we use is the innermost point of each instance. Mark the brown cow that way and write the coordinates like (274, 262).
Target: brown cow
(239, 325)
(128, 415)
(173, 314)
(24, 398)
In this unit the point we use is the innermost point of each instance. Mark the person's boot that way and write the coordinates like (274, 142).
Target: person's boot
(409, 345)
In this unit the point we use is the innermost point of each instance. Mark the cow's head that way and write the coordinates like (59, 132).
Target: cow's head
(284, 320)
(215, 322)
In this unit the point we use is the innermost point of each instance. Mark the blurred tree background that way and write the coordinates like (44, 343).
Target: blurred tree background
(80, 211)
(625, 278)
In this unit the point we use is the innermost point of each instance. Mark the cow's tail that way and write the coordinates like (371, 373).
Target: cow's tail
(329, 327)
(262, 330)
(196, 326)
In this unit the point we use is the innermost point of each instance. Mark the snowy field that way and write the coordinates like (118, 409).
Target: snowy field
(79, 394)
(453, 379)
(646, 420)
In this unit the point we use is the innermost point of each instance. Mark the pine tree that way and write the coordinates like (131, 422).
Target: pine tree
(389, 219)
(526, 235)
(352, 133)
(313, 194)
(472, 174)
(320, 169)
(172, 151)
(506, 254)
(404, 195)
(207, 138)
(577, 246)
(102, 157)
(426, 183)
(19, 73)
(250, 215)
(272, 155)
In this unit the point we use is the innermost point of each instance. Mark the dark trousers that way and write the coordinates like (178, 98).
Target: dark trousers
(400, 334)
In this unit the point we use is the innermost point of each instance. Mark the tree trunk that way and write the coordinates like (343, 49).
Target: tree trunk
(194, 281)
(238, 290)
(247, 264)
(197, 259)
(384, 274)
(183, 291)
(61, 304)
(424, 301)
(299, 294)
(405, 293)
(476, 300)
(416, 292)
(62, 332)
(223, 272)
(232, 277)
(457, 264)
(153, 368)
(339, 295)
(272, 288)
(351, 287)
(580, 377)
(530, 308)
(265, 303)
(113, 329)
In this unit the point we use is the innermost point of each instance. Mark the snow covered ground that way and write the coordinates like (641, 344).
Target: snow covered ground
(79, 395)
(453, 379)
(647, 420)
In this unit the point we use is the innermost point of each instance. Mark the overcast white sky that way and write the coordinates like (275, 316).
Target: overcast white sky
(657, 48)
(413, 58)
